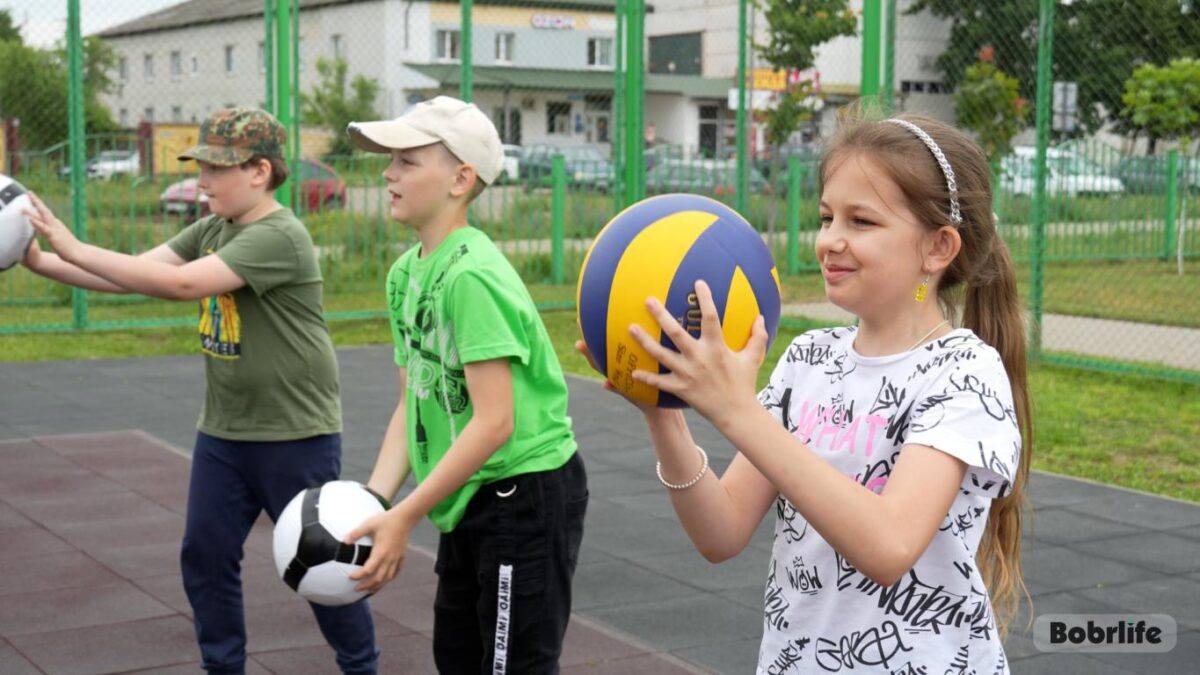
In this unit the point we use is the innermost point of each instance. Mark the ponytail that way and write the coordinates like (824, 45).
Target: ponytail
(992, 309)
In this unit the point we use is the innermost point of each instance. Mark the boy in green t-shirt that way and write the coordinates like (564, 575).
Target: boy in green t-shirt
(272, 420)
(482, 418)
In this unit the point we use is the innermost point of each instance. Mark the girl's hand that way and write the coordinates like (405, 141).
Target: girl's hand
(705, 372)
(58, 235)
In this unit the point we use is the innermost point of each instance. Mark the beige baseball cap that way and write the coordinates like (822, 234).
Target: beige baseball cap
(461, 126)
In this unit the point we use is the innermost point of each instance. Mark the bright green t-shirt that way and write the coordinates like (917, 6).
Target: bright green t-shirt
(461, 304)
(271, 370)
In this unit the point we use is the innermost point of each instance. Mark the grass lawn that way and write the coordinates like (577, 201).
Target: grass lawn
(1122, 430)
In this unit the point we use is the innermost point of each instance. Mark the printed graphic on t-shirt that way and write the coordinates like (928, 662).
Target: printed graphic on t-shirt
(820, 613)
(220, 326)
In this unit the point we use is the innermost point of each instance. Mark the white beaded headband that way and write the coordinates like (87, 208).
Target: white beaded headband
(947, 170)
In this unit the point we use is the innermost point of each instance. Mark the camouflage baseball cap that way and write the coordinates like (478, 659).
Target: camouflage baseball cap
(232, 136)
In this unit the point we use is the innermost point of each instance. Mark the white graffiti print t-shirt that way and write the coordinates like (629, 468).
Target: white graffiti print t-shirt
(857, 413)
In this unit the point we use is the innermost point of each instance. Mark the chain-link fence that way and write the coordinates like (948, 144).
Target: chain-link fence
(600, 103)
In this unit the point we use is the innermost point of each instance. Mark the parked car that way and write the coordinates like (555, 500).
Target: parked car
(1148, 174)
(584, 164)
(320, 190)
(108, 164)
(512, 164)
(703, 176)
(1066, 172)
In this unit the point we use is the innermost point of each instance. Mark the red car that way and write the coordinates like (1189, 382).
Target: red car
(320, 189)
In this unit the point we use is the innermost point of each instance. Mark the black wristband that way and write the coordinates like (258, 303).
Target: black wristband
(387, 505)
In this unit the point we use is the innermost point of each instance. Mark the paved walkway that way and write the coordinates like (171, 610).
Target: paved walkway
(1125, 340)
(93, 482)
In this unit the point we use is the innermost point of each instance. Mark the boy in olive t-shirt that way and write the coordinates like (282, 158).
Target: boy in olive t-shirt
(271, 423)
(482, 419)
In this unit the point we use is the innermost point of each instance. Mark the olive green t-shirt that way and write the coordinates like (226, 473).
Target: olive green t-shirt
(461, 304)
(271, 370)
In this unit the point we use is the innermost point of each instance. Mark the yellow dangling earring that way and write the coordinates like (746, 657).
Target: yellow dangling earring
(923, 289)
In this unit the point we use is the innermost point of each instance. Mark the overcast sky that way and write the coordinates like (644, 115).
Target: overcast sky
(44, 22)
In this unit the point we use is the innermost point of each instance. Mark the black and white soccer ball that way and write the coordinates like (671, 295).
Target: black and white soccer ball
(309, 554)
(15, 231)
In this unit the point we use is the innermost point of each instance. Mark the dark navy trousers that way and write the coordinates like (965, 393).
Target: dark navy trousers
(232, 482)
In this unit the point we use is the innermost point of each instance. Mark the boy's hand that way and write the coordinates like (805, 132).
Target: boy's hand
(58, 235)
(33, 256)
(389, 532)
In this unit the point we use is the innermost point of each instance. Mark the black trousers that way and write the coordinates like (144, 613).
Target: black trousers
(504, 575)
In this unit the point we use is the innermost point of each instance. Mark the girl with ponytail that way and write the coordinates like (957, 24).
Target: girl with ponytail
(895, 452)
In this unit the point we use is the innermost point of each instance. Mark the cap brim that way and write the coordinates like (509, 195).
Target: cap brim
(388, 135)
(217, 154)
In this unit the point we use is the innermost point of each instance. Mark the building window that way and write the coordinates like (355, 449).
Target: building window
(176, 65)
(558, 118)
(148, 67)
(509, 127)
(338, 45)
(675, 54)
(148, 114)
(124, 118)
(447, 45)
(123, 69)
(176, 113)
(195, 64)
(923, 87)
(228, 59)
(504, 47)
(600, 52)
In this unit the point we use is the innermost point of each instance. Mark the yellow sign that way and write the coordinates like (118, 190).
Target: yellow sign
(765, 79)
(169, 141)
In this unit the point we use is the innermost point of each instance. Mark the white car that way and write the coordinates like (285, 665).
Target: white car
(108, 164)
(512, 163)
(1066, 172)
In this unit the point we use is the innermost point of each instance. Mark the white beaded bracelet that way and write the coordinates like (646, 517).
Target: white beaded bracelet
(690, 483)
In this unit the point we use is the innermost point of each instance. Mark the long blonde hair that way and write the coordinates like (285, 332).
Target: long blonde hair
(981, 279)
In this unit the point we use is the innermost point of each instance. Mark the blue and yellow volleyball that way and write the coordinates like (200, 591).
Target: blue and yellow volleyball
(660, 247)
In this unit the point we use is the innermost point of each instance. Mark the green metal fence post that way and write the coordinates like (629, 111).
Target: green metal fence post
(465, 81)
(283, 84)
(293, 127)
(872, 30)
(1045, 47)
(887, 95)
(269, 53)
(77, 138)
(793, 215)
(618, 111)
(1169, 222)
(635, 158)
(558, 215)
(740, 198)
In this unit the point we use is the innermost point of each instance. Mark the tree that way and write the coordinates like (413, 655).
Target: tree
(9, 31)
(331, 105)
(1164, 102)
(1097, 43)
(33, 87)
(988, 102)
(795, 28)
